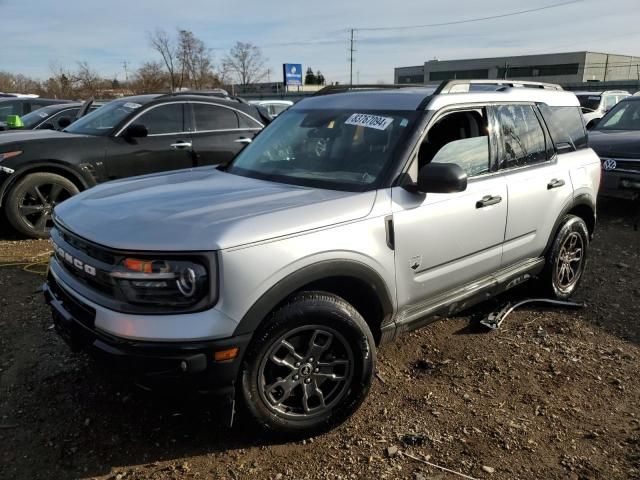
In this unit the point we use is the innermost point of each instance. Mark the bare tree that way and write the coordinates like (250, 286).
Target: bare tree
(162, 43)
(88, 82)
(195, 60)
(149, 78)
(244, 64)
(60, 83)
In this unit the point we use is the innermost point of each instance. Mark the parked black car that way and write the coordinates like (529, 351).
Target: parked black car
(53, 117)
(22, 105)
(126, 137)
(616, 139)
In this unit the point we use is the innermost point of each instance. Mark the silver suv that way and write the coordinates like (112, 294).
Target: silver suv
(352, 218)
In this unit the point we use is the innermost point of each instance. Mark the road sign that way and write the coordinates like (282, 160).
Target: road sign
(292, 73)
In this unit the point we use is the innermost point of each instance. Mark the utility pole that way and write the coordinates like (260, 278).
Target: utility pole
(125, 65)
(351, 50)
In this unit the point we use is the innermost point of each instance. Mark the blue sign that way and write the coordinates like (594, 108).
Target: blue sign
(292, 73)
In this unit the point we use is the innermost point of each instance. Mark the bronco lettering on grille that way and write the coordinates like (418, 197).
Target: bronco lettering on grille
(71, 260)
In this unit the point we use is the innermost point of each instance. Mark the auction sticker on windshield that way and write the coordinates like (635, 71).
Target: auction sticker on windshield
(370, 121)
(132, 105)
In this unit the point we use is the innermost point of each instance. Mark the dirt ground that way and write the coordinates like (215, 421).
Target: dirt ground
(553, 394)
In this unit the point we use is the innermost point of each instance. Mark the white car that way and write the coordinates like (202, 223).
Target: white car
(274, 107)
(596, 104)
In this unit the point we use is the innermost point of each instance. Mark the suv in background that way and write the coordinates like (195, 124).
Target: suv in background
(22, 105)
(596, 104)
(616, 139)
(353, 218)
(126, 137)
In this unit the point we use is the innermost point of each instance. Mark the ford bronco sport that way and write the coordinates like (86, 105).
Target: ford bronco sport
(350, 219)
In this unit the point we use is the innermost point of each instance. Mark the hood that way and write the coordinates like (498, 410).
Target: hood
(22, 136)
(615, 143)
(203, 209)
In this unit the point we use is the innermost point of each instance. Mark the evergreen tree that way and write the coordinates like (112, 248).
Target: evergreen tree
(310, 77)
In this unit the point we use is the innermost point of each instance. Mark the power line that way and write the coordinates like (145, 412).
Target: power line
(470, 20)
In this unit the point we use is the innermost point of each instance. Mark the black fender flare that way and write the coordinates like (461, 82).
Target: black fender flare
(311, 273)
(74, 174)
(583, 199)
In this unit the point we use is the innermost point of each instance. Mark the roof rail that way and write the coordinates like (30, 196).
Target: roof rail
(330, 89)
(215, 93)
(460, 86)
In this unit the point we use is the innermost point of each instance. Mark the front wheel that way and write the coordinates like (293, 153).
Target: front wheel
(31, 201)
(566, 259)
(310, 367)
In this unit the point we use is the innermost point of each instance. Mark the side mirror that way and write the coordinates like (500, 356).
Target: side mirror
(441, 178)
(64, 122)
(47, 126)
(593, 123)
(135, 130)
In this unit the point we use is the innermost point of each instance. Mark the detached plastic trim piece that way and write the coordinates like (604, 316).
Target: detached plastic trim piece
(494, 320)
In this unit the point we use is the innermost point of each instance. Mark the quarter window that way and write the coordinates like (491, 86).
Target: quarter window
(164, 119)
(523, 139)
(565, 125)
(211, 117)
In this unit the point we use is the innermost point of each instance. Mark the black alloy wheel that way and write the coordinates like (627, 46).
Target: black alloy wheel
(566, 260)
(309, 366)
(30, 203)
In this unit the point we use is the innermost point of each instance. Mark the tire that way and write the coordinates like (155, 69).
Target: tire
(566, 259)
(288, 391)
(31, 201)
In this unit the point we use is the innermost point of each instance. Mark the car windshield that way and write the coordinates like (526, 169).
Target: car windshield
(589, 103)
(335, 149)
(32, 119)
(102, 120)
(624, 116)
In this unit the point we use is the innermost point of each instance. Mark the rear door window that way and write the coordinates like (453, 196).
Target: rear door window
(522, 137)
(213, 117)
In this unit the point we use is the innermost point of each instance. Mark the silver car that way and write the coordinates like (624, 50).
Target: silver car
(352, 219)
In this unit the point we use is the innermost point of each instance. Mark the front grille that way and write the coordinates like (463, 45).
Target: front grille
(78, 310)
(622, 165)
(86, 262)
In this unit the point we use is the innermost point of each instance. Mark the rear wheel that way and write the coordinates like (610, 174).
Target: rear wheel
(31, 201)
(566, 260)
(310, 367)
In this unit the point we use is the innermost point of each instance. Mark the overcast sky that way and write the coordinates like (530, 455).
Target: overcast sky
(37, 34)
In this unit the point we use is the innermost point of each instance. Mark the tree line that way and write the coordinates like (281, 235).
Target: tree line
(184, 61)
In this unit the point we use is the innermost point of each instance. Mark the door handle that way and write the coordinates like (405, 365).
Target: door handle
(181, 145)
(555, 183)
(243, 140)
(488, 200)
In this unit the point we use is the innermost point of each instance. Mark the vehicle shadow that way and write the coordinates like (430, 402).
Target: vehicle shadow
(110, 424)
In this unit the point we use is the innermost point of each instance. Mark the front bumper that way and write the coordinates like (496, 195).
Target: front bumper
(620, 184)
(152, 364)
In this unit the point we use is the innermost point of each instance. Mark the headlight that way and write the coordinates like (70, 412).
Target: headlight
(7, 155)
(174, 283)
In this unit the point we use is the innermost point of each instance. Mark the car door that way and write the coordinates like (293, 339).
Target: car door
(444, 241)
(220, 132)
(166, 147)
(538, 186)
